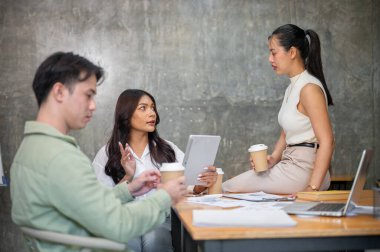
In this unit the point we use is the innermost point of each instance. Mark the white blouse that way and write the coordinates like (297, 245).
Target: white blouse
(297, 126)
(142, 164)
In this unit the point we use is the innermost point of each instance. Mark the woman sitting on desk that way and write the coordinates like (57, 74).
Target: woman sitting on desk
(134, 147)
(303, 152)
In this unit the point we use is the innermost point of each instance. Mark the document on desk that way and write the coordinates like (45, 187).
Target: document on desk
(259, 202)
(238, 218)
(259, 197)
(215, 200)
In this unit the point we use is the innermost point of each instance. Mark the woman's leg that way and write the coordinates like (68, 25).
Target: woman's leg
(290, 175)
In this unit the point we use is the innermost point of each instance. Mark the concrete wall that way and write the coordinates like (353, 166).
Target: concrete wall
(204, 61)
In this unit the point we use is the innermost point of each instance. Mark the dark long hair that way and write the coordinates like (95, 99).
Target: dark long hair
(291, 35)
(160, 150)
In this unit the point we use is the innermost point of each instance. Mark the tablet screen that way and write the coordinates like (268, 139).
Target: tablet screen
(200, 152)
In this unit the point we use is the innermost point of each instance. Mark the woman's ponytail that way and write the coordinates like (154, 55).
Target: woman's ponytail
(313, 61)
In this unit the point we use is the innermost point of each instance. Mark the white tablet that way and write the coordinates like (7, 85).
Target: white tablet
(200, 152)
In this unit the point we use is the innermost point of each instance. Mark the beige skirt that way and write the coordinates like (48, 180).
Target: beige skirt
(290, 175)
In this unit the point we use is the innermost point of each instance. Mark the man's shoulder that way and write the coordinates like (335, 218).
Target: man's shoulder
(47, 145)
(37, 130)
(40, 152)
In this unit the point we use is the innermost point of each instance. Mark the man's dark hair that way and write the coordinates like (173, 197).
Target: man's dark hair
(66, 68)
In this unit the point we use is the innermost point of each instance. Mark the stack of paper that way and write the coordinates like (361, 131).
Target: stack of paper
(252, 218)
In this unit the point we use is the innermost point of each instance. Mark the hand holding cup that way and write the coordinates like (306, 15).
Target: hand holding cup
(271, 162)
(176, 188)
(259, 159)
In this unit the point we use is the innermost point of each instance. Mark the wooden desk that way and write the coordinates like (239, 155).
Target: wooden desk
(310, 234)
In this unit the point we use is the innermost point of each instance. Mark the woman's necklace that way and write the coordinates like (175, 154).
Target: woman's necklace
(291, 87)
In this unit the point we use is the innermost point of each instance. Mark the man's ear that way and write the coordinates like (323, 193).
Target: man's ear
(59, 91)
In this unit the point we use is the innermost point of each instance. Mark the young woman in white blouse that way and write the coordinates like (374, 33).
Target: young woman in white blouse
(134, 147)
(301, 158)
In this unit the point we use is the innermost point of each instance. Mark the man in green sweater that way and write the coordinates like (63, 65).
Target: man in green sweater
(53, 186)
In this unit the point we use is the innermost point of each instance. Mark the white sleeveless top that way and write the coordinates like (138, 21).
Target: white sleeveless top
(297, 126)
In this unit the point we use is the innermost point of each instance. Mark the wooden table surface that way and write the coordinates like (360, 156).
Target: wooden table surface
(361, 225)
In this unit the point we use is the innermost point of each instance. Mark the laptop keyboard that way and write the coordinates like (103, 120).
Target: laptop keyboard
(331, 207)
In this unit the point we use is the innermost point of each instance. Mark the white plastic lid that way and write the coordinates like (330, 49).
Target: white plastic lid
(219, 171)
(172, 167)
(257, 147)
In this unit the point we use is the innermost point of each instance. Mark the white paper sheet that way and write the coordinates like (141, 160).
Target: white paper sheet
(215, 200)
(219, 201)
(259, 197)
(263, 206)
(251, 218)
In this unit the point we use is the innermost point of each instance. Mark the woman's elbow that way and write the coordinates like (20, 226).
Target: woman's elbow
(328, 142)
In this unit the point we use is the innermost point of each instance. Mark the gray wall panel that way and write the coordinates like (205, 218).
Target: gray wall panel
(206, 64)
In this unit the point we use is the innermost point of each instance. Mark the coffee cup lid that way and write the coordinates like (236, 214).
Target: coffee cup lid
(219, 171)
(257, 147)
(172, 167)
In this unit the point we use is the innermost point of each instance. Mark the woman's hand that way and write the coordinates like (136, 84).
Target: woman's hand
(127, 161)
(270, 159)
(208, 177)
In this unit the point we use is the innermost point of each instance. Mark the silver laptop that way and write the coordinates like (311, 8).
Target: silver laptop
(336, 209)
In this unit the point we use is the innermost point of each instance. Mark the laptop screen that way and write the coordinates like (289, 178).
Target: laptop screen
(360, 179)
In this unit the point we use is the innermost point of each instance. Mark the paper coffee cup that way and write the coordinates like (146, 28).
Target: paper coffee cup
(171, 171)
(259, 156)
(216, 188)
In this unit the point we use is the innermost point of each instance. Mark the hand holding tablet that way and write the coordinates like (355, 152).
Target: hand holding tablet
(200, 153)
